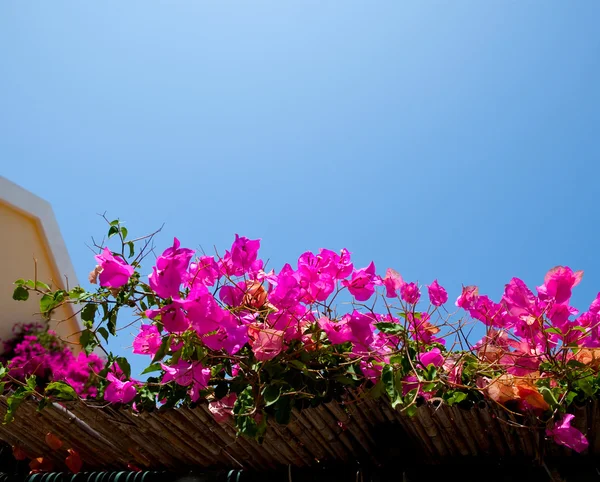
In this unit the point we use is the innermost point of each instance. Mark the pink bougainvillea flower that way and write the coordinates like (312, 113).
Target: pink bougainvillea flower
(433, 357)
(370, 370)
(363, 282)
(410, 293)
(453, 366)
(344, 265)
(362, 327)
(205, 314)
(244, 252)
(148, 340)
(595, 306)
(266, 343)
(410, 383)
(558, 284)
(242, 259)
(172, 316)
(230, 337)
(337, 332)
(186, 373)
(488, 312)
(286, 293)
(467, 297)
(231, 295)
(437, 294)
(118, 391)
(329, 264)
(205, 271)
(316, 275)
(290, 321)
(422, 330)
(564, 434)
(170, 271)
(115, 272)
(222, 409)
(393, 282)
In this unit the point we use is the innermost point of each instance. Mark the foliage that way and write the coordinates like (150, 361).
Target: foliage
(257, 343)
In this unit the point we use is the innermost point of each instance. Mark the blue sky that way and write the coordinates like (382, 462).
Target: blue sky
(455, 140)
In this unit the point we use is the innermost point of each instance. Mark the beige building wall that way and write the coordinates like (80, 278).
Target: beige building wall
(29, 237)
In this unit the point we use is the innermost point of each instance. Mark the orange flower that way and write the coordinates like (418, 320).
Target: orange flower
(73, 461)
(589, 356)
(502, 389)
(506, 388)
(53, 441)
(19, 453)
(256, 295)
(40, 464)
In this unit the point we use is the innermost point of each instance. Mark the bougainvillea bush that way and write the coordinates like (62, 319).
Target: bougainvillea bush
(255, 342)
(36, 350)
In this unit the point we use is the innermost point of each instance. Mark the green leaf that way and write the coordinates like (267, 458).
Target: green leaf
(20, 282)
(103, 332)
(111, 324)
(89, 312)
(14, 401)
(152, 368)
(411, 410)
(42, 404)
(20, 294)
(548, 395)
(114, 223)
(87, 340)
(585, 385)
(344, 380)
(456, 397)
(77, 293)
(124, 232)
(430, 372)
(163, 349)
(387, 377)
(583, 329)
(31, 382)
(298, 364)
(124, 366)
(396, 359)
(283, 410)
(47, 303)
(389, 328)
(377, 391)
(61, 390)
(131, 249)
(271, 394)
(112, 231)
(576, 364)
(41, 286)
(570, 397)
(554, 330)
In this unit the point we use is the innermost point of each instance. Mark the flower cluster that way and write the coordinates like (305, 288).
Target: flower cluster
(256, 343)
(35, 350)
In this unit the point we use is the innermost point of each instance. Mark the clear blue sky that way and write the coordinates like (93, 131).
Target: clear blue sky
(456, 140)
